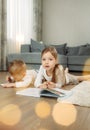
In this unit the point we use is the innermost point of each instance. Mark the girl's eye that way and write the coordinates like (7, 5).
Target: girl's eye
(43, 59)
(50, 59)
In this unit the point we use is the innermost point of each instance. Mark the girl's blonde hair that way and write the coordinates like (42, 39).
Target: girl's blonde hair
(54, 53)
(16, 67)
(52, 50)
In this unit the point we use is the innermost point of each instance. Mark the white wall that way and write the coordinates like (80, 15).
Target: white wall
(66, 21)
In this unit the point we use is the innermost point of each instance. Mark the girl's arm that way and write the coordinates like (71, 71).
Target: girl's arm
(38, 81)
(60, 77)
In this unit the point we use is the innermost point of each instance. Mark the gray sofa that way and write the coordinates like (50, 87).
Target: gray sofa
(75, 58)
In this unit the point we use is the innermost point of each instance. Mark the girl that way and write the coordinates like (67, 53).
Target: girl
(51, 74)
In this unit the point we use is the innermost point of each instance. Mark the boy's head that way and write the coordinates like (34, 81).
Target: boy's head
(17, 69)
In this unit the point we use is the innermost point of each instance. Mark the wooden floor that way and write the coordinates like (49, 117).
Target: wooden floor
(29, 113)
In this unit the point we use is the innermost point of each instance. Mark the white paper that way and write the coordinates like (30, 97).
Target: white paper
(35, 92)
(80, 96)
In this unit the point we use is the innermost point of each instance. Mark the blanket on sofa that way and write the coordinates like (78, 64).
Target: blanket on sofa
(80, 95)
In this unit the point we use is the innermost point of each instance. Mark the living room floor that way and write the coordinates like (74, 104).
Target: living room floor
(82, 121)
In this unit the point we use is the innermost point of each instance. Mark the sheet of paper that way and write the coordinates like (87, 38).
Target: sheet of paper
(80, 96)
(34, 92)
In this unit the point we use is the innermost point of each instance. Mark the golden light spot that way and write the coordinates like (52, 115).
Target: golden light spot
(64, 114)
(10, 115)
(42, 109)
(87, 63)
(42, 129)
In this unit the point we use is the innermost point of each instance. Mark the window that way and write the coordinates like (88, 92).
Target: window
(19, 23)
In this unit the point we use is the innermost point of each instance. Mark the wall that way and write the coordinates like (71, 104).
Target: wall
(66, 21)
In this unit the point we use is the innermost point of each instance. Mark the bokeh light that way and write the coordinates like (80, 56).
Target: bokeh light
(86, 67)
(42, 109)
(43, 129)
(64, 114)
(10, 115)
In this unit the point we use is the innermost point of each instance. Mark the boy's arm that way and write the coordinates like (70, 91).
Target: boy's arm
(8, 85)
(25, 83)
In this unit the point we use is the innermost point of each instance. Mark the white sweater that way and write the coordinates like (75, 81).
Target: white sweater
(28, 79)
(42, 74)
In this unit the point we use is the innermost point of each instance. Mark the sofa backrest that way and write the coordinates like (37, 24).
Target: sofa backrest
(62, 49)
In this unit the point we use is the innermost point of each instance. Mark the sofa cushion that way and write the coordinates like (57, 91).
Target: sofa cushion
(61, 49)
(36, 46)
(72, 51)
(88, 44)
(84, 50)
(25, 48)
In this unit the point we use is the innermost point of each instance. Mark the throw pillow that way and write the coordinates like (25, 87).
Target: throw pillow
(84, 50)
(88, 44)
(36, 46)
(25, 48)
(61, 49)
(72, 50)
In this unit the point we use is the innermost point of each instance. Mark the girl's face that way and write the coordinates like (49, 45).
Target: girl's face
(48, 61)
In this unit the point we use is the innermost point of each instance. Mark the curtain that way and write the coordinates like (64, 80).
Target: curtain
(19, 21)
(3, 32)
(23, 23)
(37, 20)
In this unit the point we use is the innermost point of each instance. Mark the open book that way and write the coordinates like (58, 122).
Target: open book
(38, 92)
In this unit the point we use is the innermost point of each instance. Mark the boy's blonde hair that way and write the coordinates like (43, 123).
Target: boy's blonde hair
(16, 67)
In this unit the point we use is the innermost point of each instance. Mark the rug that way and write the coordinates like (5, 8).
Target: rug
(80, 95)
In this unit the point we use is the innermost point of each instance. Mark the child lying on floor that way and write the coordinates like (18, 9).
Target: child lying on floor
(52, 75)
(19, 75)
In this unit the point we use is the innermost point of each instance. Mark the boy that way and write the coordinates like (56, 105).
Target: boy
(19, 75)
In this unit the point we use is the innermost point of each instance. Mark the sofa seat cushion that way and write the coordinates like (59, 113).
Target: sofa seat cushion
(79, 60)
(79, 68)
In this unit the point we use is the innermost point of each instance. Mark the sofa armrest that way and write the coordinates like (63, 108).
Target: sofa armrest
(25, 48)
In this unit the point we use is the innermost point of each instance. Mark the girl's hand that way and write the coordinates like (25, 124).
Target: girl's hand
(8, 85)
(51, 85)
(44, 85)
